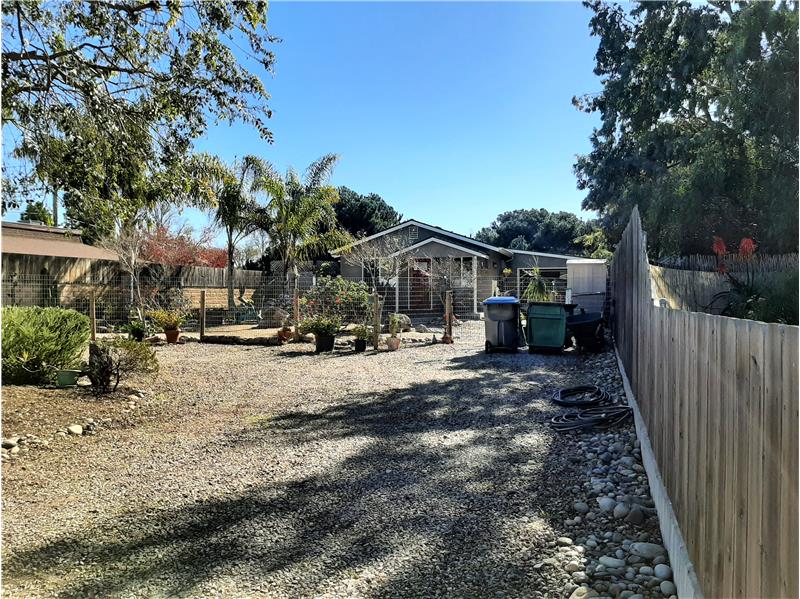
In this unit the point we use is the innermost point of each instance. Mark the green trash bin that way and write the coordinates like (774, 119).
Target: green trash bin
(546, 326)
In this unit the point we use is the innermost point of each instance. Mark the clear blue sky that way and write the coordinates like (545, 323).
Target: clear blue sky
(452, 112)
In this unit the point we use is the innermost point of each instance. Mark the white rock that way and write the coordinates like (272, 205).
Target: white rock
(75, 429)
(573, 567)
(564, 541)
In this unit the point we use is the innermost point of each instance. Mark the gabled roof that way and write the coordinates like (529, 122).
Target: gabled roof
(546, 255)
(460, 248)
(422, 225)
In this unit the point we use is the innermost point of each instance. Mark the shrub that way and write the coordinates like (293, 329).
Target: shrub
(362, 331)
(335, 296)
(169, 320)
(111, 360)
(39, 341)
(321, 325)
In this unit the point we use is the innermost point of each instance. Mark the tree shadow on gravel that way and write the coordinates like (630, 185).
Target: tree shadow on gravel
(443, 489)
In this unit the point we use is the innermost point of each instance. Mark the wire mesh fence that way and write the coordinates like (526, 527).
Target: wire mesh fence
(260, 307)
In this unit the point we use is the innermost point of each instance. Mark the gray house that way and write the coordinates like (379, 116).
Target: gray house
(414, 263)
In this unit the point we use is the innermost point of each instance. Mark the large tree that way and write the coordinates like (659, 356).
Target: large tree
(300, 217)
(699, 112)
(102, 99)
(537, 230)
(364, 214)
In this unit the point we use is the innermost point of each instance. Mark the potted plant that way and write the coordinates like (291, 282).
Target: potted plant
(393, 342)
(507, 272)
(136, 330)
(170, 321)
(324, 329)
(362, 332)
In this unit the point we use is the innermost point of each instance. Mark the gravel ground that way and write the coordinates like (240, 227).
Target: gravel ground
(273, 472)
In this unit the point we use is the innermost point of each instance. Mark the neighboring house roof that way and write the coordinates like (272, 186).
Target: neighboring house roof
(417, 223)
(530, 253)
(587, 261)
(41, 240)
(440, 242)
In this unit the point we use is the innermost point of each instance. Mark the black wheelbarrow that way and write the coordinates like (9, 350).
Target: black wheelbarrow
(588, 330)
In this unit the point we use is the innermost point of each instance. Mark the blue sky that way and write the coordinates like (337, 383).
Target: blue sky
(452, 112)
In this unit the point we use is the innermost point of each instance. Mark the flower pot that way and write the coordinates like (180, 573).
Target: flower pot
(67, 378)
(137, 335)
(172, 335)
(285, 334)
(393, 343)
(324, 343)
(361, 345)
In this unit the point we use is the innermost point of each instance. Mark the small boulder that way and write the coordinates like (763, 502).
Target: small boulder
(75, 429)
(564, 541)
(668, 588)
(10, 442)
(606, 504)
(647, 550)
(663, 571)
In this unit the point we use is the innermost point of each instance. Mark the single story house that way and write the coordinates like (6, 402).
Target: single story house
(415, 262)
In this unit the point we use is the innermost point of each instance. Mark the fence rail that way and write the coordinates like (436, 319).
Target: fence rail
(719, 397)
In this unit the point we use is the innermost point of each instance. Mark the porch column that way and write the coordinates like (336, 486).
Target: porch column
(475, 282)
(397, 285)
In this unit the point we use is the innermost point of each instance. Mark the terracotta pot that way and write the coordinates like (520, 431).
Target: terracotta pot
(172, 335)
(285, 335)
(393, 343)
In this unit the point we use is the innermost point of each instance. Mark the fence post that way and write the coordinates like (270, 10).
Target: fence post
(93, 314)
(202, 314)
(376, 320)
(448, 317)
(296, 313)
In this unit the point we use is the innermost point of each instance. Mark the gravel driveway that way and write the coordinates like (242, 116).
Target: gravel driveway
(272, 472)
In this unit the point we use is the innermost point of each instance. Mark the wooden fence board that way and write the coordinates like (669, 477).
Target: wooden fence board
(742, 432)
(755, 490)
(728, 409)
(790, 368)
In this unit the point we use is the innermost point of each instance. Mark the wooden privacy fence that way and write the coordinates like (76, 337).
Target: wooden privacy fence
(719, 397)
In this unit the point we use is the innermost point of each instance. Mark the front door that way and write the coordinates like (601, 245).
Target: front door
(420, 288)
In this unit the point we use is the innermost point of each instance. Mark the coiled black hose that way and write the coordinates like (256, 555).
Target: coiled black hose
(582, 396)
(596, 409)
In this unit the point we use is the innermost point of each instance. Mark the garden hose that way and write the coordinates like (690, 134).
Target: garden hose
(582, 396)
(596, 410)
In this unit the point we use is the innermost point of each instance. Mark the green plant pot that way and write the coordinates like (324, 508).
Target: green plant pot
(67, 378)
(324, 343)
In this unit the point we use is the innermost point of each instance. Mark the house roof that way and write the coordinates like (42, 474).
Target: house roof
(411, 222)
(41, 240)
(546, 255)
(440, 242)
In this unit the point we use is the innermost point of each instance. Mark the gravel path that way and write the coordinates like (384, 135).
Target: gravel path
(272, 472)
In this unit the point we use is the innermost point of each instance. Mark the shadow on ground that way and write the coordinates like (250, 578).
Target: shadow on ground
(443, 489)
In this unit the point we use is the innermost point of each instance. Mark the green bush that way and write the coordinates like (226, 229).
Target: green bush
(39, 341)
(112, 359)
(321, 325)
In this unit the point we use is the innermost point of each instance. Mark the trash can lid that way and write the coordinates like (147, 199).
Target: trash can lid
(505, 299)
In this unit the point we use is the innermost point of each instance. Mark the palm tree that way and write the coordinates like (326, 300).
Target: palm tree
(233, 190)
(300, 217)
